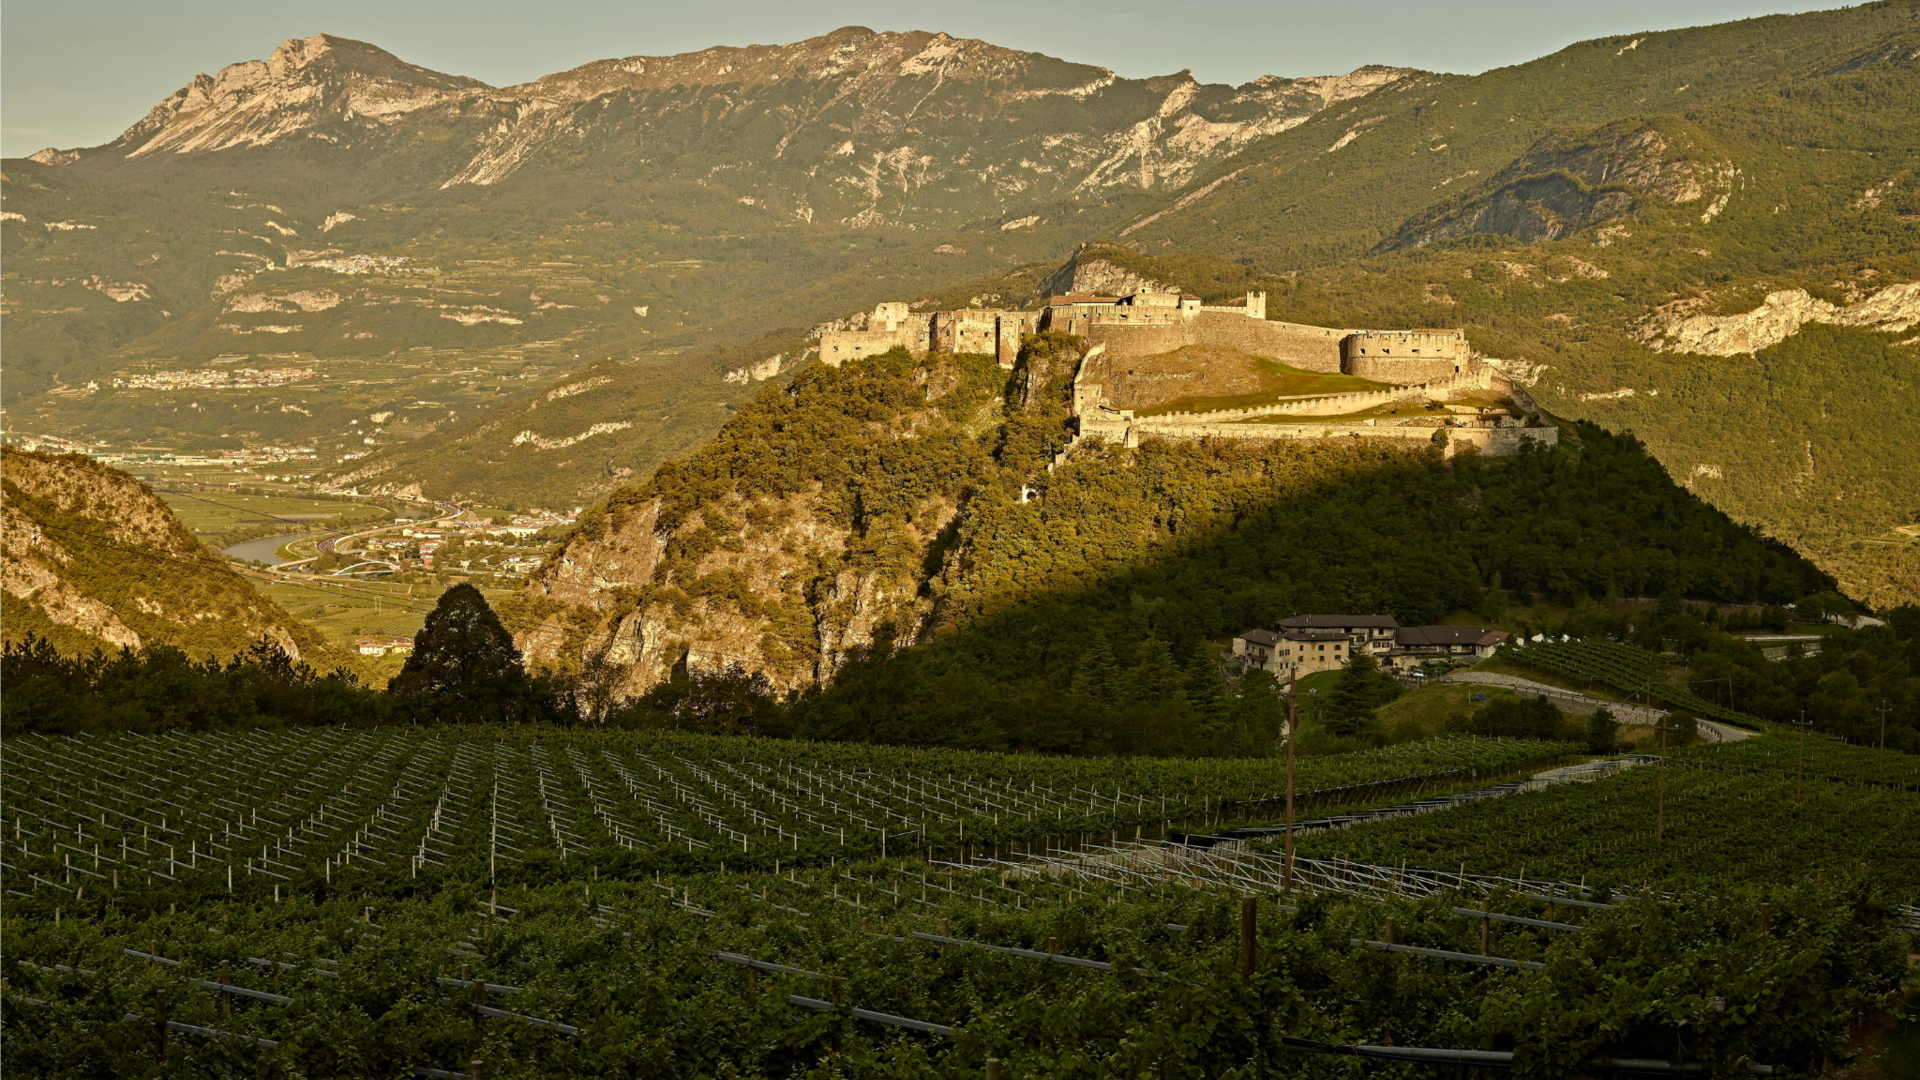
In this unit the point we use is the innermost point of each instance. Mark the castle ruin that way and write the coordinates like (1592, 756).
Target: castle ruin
(1433, 369)
(892, 325)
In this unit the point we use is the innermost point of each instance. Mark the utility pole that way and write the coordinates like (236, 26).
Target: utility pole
(1660, 812)
(1293, 730)
(1800, 763)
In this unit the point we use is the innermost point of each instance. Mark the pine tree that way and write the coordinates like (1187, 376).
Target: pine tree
(1361, 688)
(1207, 689)
(1154, 677)
(1603, 731)
(1097, 676)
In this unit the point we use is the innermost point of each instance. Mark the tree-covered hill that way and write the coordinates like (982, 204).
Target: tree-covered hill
(900, 530)
(94, 560)
(1349, 178)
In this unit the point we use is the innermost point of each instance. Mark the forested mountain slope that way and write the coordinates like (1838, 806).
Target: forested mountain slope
(93, 559)
(1349, 178)
(897, 524)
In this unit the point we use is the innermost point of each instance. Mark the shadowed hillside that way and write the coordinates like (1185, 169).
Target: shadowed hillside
(900, 529)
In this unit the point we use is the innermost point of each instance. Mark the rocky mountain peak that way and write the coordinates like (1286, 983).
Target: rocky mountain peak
(304, 83)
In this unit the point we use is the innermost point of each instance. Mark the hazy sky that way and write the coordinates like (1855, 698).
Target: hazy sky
(78, 72)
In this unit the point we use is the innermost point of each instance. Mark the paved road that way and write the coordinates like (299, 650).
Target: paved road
(1584, 705)
(448, 512)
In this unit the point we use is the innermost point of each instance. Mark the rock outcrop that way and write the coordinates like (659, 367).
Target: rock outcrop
(1679, 327)
(305, 83)
(1569, 182)
(1097, 269)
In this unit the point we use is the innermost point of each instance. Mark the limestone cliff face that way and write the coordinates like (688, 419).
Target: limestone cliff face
(1094, 269)
(89, 556)
(896, 124)
(795, 600)
(1682, 327)
(1572, 181)
(785, 581)
(304, 84)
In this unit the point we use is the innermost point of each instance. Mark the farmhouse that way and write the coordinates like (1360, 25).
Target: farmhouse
(1303, 644)
(1416, 645)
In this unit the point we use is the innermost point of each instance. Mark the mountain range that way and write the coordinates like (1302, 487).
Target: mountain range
(1706, 237)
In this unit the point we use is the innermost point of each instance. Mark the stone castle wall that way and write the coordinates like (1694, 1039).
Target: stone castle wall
(1399, 371)
(1404, 356)
(1311, 348)
(1480, 378)
(969, 330)
(1494, 442)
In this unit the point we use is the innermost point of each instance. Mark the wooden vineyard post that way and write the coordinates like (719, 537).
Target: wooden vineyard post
(226, 996)
(1249, 938)
(1292, 731)
(1800, 759)
(1766, 919)
(993, 1069)
(753, 977)
(476, 1069)
(1486, 928)
(1389, 929)
(479, 999)
(160, 1029)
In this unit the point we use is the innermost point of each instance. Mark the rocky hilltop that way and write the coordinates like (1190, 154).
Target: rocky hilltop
(925, 538)
(92, 558)
(1572, 181)
(304, 86)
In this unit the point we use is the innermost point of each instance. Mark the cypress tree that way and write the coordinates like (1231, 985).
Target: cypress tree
(465, 668)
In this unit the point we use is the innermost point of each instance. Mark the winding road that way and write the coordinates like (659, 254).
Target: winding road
(329, 546)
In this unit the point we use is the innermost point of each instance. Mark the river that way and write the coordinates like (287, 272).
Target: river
(263, 550)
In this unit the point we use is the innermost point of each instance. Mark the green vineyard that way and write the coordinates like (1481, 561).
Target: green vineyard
(885, 968)
(1625, 668)
(406, 902)
(409, 807)
(1735, 813)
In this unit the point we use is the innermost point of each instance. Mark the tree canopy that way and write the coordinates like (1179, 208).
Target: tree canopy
(465, 668)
